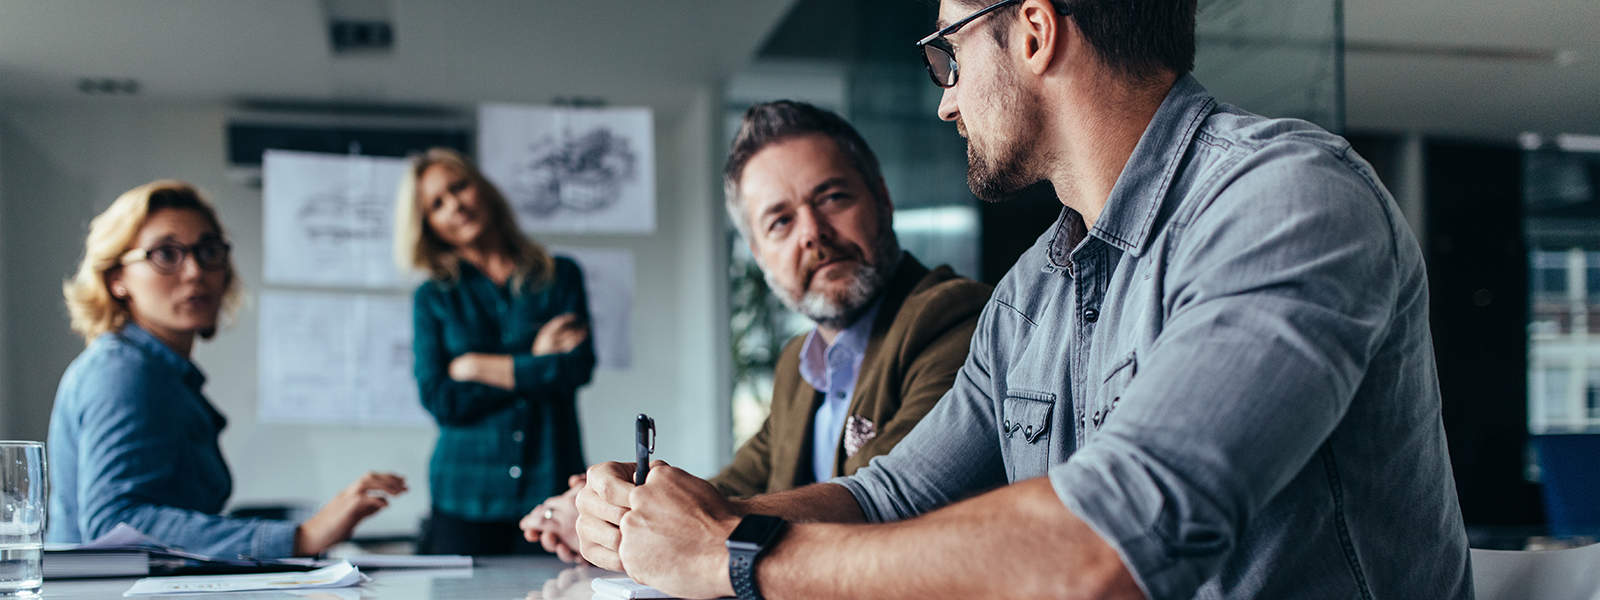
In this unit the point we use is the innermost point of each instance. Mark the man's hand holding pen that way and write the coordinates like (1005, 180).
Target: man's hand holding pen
(654, 531)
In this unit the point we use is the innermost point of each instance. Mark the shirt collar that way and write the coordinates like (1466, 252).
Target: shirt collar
(1136, 199)
(152, 347)
(852, 340)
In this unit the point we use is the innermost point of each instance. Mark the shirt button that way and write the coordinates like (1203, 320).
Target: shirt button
(1091, 315)
(516, 436)
(515, 472)
(1028, 432)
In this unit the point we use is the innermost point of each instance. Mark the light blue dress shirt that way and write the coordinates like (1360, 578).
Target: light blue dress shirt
(831, 370)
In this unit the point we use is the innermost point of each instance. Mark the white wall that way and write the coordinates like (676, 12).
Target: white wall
(66, 161)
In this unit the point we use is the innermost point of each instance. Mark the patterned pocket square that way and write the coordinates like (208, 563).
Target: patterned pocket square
(857, 432)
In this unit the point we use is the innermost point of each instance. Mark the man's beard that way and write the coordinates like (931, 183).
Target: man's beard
(865, 283)
(1003, 175)
(998, 179)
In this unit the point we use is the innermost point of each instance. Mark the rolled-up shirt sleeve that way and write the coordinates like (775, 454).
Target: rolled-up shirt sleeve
(567, 370)
(1277, 301)
(952, 453)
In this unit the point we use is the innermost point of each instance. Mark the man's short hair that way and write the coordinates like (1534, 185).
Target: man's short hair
(1137, 38)
(772, 122)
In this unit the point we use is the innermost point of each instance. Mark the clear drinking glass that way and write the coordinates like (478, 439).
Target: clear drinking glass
(24, 493)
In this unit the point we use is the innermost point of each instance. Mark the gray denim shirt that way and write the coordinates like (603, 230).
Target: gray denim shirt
(1230, 377)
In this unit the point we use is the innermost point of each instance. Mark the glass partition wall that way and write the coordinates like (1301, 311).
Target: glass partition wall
(1274, 57)
(1561, 203)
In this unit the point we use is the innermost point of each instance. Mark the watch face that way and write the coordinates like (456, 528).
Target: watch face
(755, 532)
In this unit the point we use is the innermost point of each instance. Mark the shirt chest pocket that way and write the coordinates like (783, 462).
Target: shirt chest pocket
(1025, 433)
(1106, 399)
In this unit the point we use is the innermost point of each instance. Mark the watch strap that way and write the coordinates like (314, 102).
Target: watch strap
(742, 572)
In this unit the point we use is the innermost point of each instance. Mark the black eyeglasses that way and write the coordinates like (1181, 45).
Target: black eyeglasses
(940, 57)
(211, 254)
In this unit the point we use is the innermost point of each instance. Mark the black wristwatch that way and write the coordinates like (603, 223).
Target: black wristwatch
(754, 535)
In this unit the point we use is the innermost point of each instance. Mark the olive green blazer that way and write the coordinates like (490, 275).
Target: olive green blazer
(918, 342)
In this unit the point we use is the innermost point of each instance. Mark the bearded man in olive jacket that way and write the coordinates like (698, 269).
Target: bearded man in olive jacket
(808, 198)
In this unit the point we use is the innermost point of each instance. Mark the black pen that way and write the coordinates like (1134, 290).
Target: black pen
(644, 442)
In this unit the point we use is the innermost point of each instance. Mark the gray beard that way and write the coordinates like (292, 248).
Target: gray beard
(865, 285)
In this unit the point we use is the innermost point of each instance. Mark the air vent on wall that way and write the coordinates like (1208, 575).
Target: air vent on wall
(360, 36)
(108, 86)
(256, 126)
(359, 27)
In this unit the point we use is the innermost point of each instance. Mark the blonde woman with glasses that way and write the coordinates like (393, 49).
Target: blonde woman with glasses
(501, 346)
(132, 437)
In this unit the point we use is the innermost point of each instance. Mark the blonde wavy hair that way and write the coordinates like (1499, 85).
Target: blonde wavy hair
(93, 309)
(417, 247)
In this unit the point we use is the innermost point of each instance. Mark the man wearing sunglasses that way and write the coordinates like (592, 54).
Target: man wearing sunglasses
(1212, 377)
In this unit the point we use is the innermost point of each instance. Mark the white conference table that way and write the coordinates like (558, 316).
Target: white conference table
(498, 578)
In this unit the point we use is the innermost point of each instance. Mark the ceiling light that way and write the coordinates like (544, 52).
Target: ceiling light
(1572, 142)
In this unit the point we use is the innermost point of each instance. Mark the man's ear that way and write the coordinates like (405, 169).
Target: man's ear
(1038, 26)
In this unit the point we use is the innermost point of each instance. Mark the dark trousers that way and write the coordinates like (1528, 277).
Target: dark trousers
(445, 534)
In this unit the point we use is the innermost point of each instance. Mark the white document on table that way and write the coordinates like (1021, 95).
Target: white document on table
(623, 588)
(121, 536)
(1568, 573)
(341, 574)
(410, 561)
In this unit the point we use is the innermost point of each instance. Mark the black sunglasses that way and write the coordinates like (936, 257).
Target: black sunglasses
(940, 57)
(167, 258)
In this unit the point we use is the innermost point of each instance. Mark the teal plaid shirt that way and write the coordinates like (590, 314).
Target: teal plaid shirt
(500, 452)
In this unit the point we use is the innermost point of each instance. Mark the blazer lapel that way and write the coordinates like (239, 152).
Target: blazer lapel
(860, 424)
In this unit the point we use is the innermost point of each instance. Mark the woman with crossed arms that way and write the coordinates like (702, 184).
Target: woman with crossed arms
(500, 345)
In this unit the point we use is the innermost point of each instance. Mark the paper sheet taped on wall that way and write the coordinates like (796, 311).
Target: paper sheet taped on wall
(330, 358)
(329, 219)
(608, 280)
(571, 169)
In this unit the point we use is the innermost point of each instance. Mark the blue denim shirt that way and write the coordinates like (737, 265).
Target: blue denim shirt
(132, 440)
(1230, 378)
(831, 369)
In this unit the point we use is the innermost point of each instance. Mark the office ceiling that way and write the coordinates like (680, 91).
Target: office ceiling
(619, 51)
(1473, 68)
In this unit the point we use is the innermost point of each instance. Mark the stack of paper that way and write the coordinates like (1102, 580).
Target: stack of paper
(125, 551)
(72, 563)
(340, 574)
(623, 588)
(410, 561)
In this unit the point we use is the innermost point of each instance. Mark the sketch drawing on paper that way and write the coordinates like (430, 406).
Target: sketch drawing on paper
(582, 173)
(328, 218)
(570, 169)
(608, 280)
(336, 359)
(347, 215)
